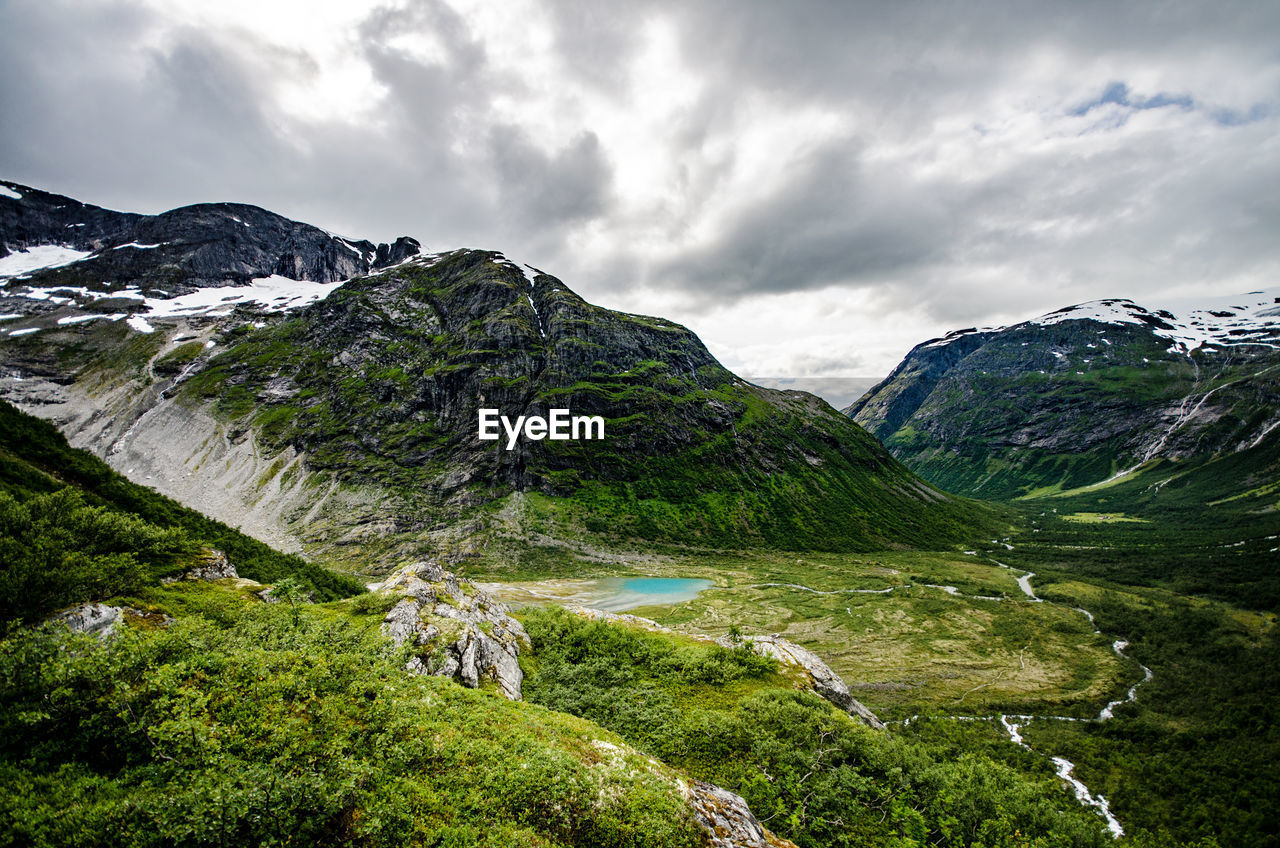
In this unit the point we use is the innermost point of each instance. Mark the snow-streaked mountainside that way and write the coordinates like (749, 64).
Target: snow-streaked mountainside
(51, 240)
(268, 294)
(1240, 320)
(1083, 394)
(325, 398)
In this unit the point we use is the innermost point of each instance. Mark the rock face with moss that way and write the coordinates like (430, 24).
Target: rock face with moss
(465, 634)
(727, 819)
(1081, 394)
(99, 620)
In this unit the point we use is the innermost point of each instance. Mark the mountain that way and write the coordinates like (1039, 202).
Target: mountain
(1099, 392)
(340, 417)
(48, 239)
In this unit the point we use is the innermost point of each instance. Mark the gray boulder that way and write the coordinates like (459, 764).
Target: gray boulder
(727, 818)
(214, 565)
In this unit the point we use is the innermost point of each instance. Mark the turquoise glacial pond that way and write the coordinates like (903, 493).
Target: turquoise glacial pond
(613, 594)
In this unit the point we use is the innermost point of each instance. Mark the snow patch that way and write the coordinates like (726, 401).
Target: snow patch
(6, 191)
(272, 294)
(349, 246)
(39, 257)
(957, 334)
(140, 324)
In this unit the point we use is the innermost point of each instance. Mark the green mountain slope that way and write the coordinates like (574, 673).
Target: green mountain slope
(73, 530)
(1063, 402)
(383, 381)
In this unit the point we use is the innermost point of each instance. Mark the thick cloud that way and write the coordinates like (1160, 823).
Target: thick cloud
(813, 186)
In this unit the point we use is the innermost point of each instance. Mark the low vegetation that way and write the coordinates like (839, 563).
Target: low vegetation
(247, 724)
(72, 530)
(810, 772)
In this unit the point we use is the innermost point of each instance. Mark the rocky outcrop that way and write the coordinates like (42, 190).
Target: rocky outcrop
(727, 818)
(103, 620)
(214, 565)
(826, 682)
(98, 620)
(465, 634)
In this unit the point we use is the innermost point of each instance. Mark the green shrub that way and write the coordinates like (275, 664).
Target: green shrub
(55, 551)
(807, 770)
(265, 732)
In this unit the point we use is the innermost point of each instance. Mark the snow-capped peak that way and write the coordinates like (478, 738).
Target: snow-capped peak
(1248, 319)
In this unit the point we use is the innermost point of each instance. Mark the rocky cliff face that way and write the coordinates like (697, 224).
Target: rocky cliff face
(1082, 394)
(208, 244)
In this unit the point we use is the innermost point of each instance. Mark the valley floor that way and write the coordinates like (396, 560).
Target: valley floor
(1054, 656)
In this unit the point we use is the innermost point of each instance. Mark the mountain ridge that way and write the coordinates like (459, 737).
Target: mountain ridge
(343, 415)
(202, 244)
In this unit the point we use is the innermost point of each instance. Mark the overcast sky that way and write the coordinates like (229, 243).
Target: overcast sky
(812, 187)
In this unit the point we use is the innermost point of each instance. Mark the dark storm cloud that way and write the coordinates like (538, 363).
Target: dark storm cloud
(568, 186)
(977, 160)
(914, 51)
(192, 120)
(833, 221)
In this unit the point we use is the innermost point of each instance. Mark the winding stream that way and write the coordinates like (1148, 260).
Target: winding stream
(1013, 724)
